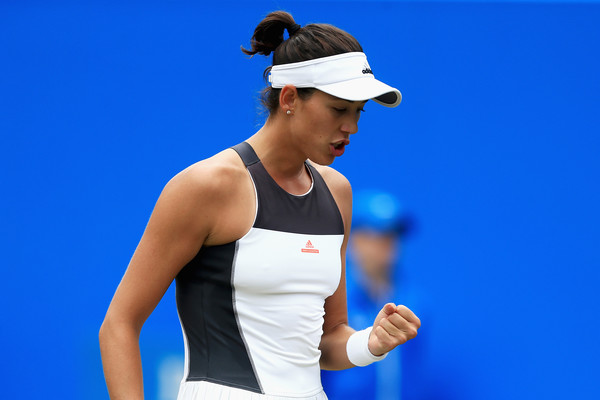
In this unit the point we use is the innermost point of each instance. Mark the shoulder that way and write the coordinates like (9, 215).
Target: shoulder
(219, 174)
(340, 188)
(213, 196)
(337, 183)
(208, 194)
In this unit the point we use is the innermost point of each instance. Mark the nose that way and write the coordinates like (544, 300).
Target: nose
(350, 126)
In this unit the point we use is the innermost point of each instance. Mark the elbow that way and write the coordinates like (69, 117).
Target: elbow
(104, 334)
(115, 331)
(324, 365)
(328, 364)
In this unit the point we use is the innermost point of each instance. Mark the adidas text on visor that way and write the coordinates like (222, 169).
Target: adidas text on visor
(347, 76)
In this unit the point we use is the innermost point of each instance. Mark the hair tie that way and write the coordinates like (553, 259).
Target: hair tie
(293, 29)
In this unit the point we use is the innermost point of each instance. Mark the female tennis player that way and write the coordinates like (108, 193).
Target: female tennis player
(255, 238)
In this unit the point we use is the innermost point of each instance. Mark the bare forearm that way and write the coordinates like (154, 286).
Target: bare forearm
(119, 346)
(333, 348)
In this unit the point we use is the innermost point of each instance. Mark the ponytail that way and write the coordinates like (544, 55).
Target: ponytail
(305, 43)
(268, 35)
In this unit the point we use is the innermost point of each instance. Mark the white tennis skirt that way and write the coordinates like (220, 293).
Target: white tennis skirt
(202, 390)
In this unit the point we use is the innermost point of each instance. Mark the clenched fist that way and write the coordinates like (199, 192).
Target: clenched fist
(393, 326)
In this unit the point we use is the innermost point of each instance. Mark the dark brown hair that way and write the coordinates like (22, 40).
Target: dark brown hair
(305, 43)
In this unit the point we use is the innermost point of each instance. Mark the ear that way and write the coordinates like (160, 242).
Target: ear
(288, 98)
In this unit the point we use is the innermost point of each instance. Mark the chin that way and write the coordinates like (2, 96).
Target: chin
(324, 161)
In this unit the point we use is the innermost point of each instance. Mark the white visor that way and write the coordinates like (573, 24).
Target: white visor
(347, 76)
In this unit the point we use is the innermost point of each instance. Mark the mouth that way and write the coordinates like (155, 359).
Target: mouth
(337, 148)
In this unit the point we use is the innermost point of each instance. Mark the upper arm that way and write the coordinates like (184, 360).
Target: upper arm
(335, 305)
(183, 219)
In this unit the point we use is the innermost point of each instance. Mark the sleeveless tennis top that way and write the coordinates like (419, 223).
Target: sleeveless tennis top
(251, 311)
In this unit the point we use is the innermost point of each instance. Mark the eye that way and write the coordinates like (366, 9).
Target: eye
(342, 110)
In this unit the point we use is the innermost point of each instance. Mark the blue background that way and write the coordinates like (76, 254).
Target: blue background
(494, 149)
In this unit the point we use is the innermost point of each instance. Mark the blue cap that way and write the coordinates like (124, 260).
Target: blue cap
(379, 211)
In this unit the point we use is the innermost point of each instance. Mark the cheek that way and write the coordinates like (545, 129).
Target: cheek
(314, 125)
(322, 121)
(317, 122)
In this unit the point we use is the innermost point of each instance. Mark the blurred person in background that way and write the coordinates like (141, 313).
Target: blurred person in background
(379, 226)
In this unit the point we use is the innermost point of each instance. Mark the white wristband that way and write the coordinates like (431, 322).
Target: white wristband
(358, 349)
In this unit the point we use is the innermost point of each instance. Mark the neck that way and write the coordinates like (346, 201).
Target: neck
(280, 157)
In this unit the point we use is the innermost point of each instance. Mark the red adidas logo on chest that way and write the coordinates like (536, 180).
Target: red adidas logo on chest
(309, 248)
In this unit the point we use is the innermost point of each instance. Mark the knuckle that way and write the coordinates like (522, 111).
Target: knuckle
(393, 319)
(412, 332)
(391, 342)
(401, 339)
